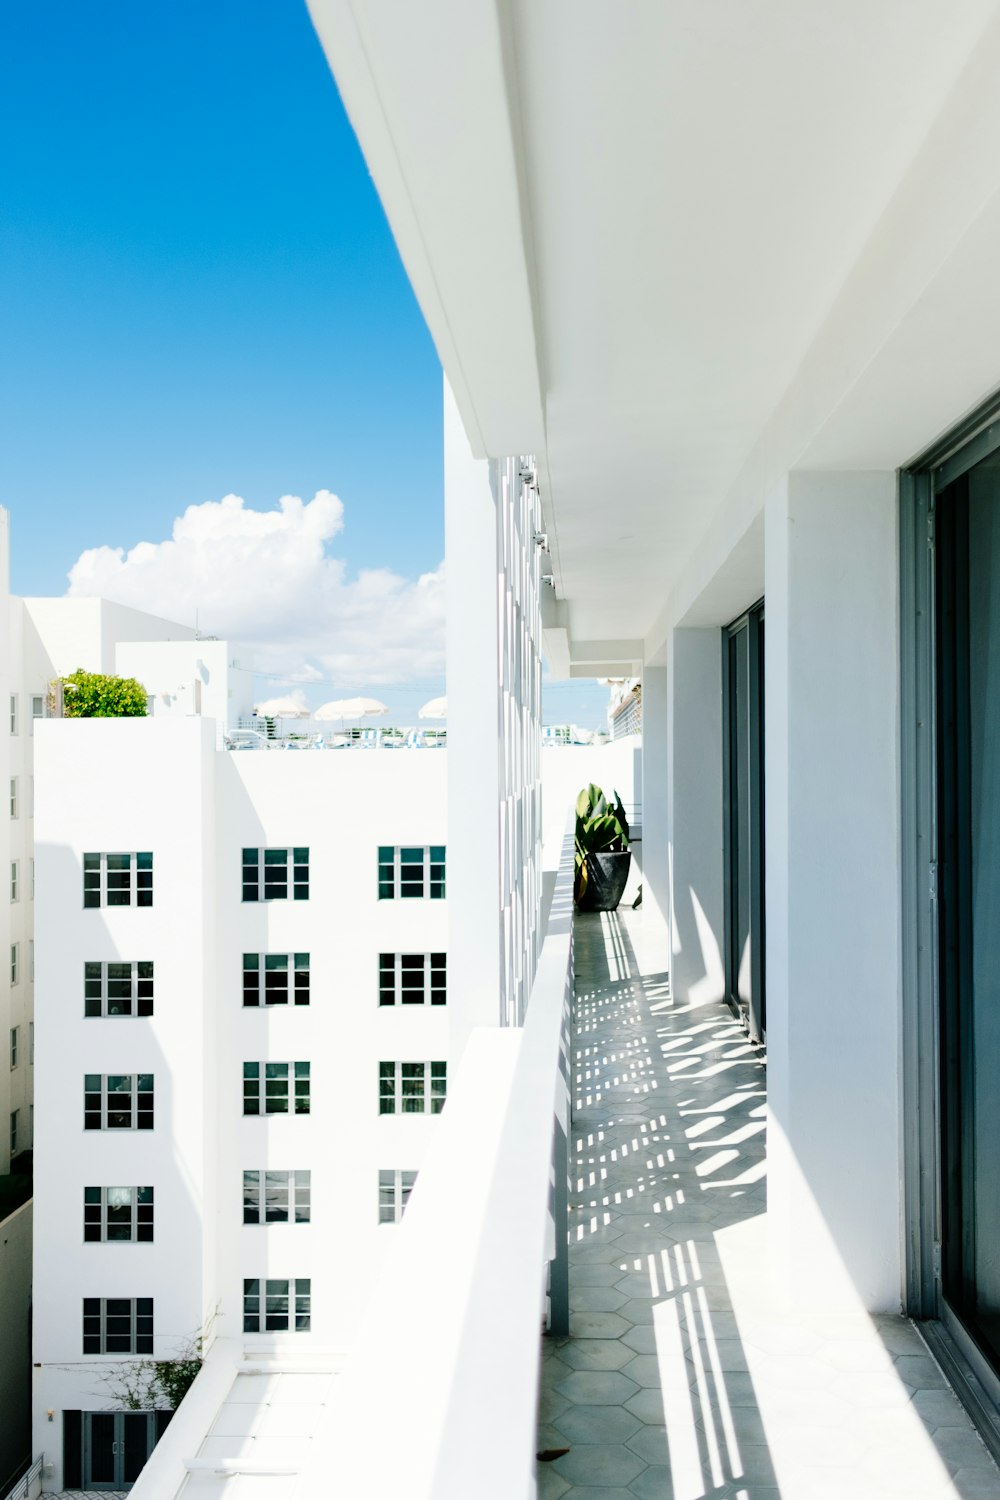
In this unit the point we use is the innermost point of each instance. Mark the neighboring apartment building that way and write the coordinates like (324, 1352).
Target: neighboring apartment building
(244, 1032)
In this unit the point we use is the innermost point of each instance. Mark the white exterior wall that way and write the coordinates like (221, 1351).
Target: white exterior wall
(160, 785)
(494, 726)
(833, 888)
(190, 677)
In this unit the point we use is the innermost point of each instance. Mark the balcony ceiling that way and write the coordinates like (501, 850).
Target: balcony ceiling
(629, 224)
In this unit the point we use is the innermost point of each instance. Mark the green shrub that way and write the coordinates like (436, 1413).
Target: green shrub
(92, 695)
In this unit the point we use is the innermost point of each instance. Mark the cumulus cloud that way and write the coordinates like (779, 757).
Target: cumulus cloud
(266, 579)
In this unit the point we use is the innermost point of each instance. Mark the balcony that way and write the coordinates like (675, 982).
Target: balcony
(685, 1375)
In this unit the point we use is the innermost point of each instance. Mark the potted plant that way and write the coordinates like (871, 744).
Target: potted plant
(603, 857)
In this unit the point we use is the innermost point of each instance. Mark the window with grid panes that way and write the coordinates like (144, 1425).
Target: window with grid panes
(14, 884)
(412, 979)
(114, 989)
(13, 713)
(277, 1078)
(15, 963)
(118, 1213)
(118, 879)
(412, 1088)
(13, 796)
(411, 871)
(118, 1101)
(13, 1131)
(287, 1306)
(117, 1325)
(268, 978)
(394, 1188)
(275, 874)
(277, 1197)
(13, 1046)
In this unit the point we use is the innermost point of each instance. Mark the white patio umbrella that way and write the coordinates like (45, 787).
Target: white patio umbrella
(436, 708)
(289, 707)
(349, 708)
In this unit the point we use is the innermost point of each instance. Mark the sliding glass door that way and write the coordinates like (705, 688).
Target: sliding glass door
(966, 522)
(743, 816)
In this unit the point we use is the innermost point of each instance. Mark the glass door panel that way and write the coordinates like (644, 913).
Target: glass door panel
(100, 1450)
(743, 742)
(968, 692)
(137, 1436)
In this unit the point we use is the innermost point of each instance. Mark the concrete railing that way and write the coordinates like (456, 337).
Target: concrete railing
(440, 1397)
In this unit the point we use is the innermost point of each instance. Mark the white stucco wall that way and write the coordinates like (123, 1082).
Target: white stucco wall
(15, 1341)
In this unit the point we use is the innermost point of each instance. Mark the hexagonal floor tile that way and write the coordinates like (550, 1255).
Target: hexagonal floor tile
(637, 1284)
(605, 1464)
(597, 1325)
(637, 1310)
(599, 1424)
(651, 1444)
(597, 1387)
(595, 1298)
(641, 1338)
(595, 1275)
(644, 1370)
(647, 1405)
(551, 1485)
(595, 1354)
(654, 1483)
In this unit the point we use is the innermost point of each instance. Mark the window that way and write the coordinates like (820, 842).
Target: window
(118, 1213)
(112, 989)
(276, 1197)
(118, 879)
(412, 1088)
(38, 705)
(117, 1325)
(13, 1131)
(13, 1046)
(13, 713)
(31, 958)
(412, 978)
(743, 818)
(13, 796)
(417, 871)
(268, 872)
(13, 880)
(394, 1190)
(118, 1101)
(15, 965)
(31, 1043)
(280, 1298)
(274, 969)
(276, 1084)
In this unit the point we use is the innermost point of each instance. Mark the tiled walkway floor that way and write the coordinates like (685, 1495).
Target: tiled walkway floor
(678, 1382)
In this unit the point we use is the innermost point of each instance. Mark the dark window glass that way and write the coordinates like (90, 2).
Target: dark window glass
(386, 873)
(251, 1088)
(387, 979)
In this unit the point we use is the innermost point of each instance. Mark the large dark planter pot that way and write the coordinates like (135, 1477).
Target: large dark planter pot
(607, 875)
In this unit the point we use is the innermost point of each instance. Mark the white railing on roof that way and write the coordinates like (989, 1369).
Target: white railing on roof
(439, 1401)
(29, 1486)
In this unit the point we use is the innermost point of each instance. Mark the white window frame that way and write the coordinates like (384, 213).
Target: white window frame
(297, 888)
(102, 980)
(13, 797)
(13, 1131)
(102, 1314)
(13, 713)
(432, 1099)
(394, 1188)
(288, 1193)
(298, 1303)
(15, 963)
(425, 865)
(134, 889)
(132, 1094)
(433, 968)
(97, 1213)
(13, 1046)
(37, 708)
(14, 880)
(295, 965)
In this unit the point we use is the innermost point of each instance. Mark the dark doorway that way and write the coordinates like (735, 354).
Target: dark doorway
(743, 817)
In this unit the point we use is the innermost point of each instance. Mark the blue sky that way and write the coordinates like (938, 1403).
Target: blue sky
(201, 294)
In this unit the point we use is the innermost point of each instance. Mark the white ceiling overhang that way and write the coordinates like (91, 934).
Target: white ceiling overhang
(667, 245)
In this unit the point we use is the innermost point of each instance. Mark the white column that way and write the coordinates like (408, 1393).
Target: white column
(695, 796)
(832, 888)
(474, 741)
(655, 803)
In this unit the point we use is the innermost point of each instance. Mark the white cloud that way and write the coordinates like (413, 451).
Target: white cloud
(266, 579)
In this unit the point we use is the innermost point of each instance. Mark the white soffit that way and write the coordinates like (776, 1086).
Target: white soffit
(626, 224)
